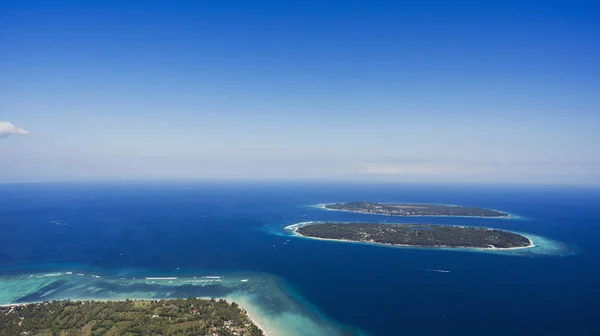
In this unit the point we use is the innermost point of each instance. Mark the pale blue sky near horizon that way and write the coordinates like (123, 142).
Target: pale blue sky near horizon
(493, 91)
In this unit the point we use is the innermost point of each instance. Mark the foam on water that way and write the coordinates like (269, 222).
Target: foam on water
(541, 246)
(276, 312)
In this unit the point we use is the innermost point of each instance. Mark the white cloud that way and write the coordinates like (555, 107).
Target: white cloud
(421, 168)
(534, 172)
(7, 129)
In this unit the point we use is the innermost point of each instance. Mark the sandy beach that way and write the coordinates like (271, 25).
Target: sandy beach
(294, 228)
(323, 206)
(252, 315)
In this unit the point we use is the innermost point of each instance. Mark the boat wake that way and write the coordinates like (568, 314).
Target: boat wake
(435, 270)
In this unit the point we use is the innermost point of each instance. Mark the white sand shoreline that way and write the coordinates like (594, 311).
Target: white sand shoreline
(252, 316)
(294, 228)
(508, 215)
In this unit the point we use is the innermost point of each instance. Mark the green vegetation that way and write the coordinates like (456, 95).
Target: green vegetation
(128, 318)
(416, 235)
(414, 209)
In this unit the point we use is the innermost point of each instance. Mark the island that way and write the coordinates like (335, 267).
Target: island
(131, 317)
(418, 235)
(408, 209)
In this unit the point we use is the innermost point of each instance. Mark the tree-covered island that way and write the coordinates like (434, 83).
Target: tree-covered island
(138, 317)
(419, 235)
(407, 209)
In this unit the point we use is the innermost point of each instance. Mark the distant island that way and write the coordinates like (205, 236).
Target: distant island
(407, 209)
(418, 235)
(138, 317)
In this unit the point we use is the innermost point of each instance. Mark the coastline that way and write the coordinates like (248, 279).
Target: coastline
(294, 228)
(252, 316)
(267, 300)
(322, 206)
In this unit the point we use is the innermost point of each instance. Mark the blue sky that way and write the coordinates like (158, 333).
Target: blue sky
(409, 91)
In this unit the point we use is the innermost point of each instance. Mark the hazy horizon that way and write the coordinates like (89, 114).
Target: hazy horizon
(477, 92)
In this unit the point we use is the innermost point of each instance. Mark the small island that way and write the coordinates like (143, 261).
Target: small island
(407, 209)
(417, 235)
(138, 317)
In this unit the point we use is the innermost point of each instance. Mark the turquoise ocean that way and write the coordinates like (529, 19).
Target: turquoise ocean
(228, 239)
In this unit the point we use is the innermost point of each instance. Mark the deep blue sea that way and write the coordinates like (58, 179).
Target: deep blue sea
(118, 234)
